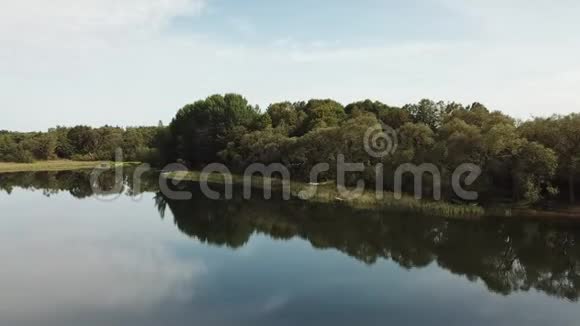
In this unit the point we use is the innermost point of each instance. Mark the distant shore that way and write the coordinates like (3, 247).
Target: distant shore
(58, 165)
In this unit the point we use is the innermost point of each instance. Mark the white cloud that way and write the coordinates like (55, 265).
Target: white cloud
(522, 20)
(60, 21)
(522, 59)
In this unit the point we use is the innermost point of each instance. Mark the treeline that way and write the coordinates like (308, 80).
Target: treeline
(521, 161)
(81, 143)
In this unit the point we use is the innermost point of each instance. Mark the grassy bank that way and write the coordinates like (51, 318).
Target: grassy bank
(328, 193)
(571, 212)
(60, 165)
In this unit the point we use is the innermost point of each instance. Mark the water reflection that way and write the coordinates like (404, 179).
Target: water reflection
(74, 182)
(508, 256)
(90, 270)
(77, 183)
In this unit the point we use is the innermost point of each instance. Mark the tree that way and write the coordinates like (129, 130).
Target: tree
(476, 114)
(133, 141)
(264, 146)
(561, 135)
(64, 148)
(199, 129)
(83, 140)
(321, 114)
(391, 116)
(535, 167)
(44, 146)
(463, 143)
(426, 112)
(285, 116)
(109, 139)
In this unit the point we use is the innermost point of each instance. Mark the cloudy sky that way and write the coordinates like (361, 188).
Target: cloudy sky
(134, 62)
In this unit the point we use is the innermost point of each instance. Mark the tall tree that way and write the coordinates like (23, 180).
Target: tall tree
(199, 129)
(559, 133)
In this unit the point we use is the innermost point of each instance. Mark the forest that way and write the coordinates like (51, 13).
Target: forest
(522, 161)
(79, 143)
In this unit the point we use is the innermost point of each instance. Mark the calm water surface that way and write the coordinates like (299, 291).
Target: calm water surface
(70, 259)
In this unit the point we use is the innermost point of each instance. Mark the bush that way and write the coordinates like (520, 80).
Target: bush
(23, 156)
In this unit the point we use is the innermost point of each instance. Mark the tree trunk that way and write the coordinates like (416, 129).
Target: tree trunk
(571, 187)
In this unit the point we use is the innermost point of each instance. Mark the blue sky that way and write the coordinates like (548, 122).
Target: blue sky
(135, 62)
(366, 22)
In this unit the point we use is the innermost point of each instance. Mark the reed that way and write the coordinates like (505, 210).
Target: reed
(327, 193)
(60, 165)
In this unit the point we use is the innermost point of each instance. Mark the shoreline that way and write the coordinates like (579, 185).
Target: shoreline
(326, 193)
(50, 166)
(571, 213)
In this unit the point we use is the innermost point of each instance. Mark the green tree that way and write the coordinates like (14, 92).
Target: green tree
(284, 116)
(426, 112)
(199, 130)
(321, 114)
(535, 167)
(83, 140)
(559, 133)
(391, 116)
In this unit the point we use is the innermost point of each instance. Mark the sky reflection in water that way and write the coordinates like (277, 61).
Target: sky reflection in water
(68, 259)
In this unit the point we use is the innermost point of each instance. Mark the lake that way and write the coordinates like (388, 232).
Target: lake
(70, 258)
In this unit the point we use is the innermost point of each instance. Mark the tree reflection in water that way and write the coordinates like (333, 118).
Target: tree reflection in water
(508, 256)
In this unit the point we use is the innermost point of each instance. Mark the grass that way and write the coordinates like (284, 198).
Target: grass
(327, 193)
(60, 165)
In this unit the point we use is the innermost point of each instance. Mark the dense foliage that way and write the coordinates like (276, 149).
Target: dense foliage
(80, 143)
(521, 161)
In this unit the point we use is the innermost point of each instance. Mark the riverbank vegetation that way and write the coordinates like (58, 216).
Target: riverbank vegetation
(60, 165)
(327, 193)
(80, 143)
(522, 162)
